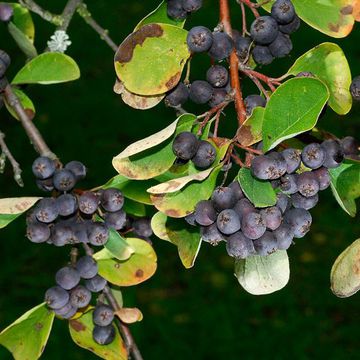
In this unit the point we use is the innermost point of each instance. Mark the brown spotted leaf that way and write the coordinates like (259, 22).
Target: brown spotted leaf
(345, 273)
(26, 103)
(136, 101)
(129, 315)
(251, 131)
(26, 338)
(138, 268)
(150, 60)
(81, 333)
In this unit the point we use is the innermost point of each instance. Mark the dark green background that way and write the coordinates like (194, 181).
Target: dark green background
(200, 313)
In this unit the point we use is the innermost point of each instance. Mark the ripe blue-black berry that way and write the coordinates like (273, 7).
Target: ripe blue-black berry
(185, 145)
(67, 311)
(217, 76)
(98, 234)
(95, 284)
(62, 234)
(355, 88)
(103, 315)
(46, 210)
(64, 180)
(6, 12)
(223, 198)
(282, 202)
(87, 267)
(253, 101)
(242, 45)
(262, 55)
(292, 158)
(235, 186)
(283, 11)
(191, 5)
(218, 96)
(243, 207)
(175, 10)
(266, 244)
(199, 39)
(66, 204)
(313, 156)
(300, 220)
(205, 155)
(205, 213)
(104, 335)
(272, 217)
(284, 235)
(239, 246)
(80, 296)
(43, 167)
(349, 145)
(142, 227)
(221, 46)
(211, 234)
(77, 168)
(45, 184)
(67, 277)
(281, 46)
(323, 177)
(228, 222)
(288, 184)
(253, 225)
(38, 232)
(302, 202)
(291, 27)
(264, 30)
(200, 92)
(334, 155)
(112, 200)
(177, 96)
(88, 203)
(307, 184)
(115, 220)
(56, 297)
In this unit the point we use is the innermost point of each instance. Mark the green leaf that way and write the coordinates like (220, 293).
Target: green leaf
(134, 208)
(345, 273)
(48, 68)
(135, 270)
(11, 208)
(328, 62)
(22, 41)
(26, 103)
(81, 333)
(152, 156)
(118, 246)
(23, 21)
(116, 291)
(187, 238)
(334, 18)
(345, 185)
(293, 109)
(251, 131)
(26, 338)
(150, 60)
(260, 193)
(159, 15)
(261, 275)
(138, 102)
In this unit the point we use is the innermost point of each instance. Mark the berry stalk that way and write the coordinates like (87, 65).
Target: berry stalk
(234, 64)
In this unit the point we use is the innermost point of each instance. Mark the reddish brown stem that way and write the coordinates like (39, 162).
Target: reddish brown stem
(237, 160)
(207, 116)
(251, 6)
(234, 63)
(248, 149)
(266, 79)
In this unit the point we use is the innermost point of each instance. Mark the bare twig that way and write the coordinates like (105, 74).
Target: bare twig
(243, 14)
(234, 64)
(68, 13)
(252, 6)
(74, 253)
(15, 165)
(104, 34)
(45, 14)
(31, 130)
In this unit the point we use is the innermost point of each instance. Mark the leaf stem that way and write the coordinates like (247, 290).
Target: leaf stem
(45, 14)
(234, 64)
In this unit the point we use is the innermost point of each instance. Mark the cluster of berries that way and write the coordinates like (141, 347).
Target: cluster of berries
(68, 296)
(271, 34)
(229, 216)
(187, 146)
(180, 9)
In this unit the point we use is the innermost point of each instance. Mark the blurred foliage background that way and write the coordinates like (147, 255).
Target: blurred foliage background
(200, 313)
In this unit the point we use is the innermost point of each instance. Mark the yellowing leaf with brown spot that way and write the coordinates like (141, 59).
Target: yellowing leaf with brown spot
(129, 315)
(17, 205)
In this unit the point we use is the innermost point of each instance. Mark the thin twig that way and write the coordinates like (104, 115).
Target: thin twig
(234, 64)
(243, 14)
(259, 86)
(45, 14)
(104, 34)
(68, 13)
(74, 253)
(31, 130)
(15, 165)
(252, 6)
(248, 149)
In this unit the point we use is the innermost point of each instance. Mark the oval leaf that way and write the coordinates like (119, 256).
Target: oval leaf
(260, 193)
(186, 237)
(150, 60)
(334, 18)
(118, 246)
(26, 338)
(159, 15)
(251, 131)
(26, 103)
(261, 275)
(328, 62)
(345, 273)
(135, 270)
(22, 41)
(153, 155)
(137, 101)
(23, 21)
(293, 109)
(81, 333)
(18, 205)
(129, 315)
(48, 68)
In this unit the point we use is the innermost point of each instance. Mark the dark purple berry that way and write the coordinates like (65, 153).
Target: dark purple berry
(235, 186)
(142, 227)
(266, 244)
(205, 155)
(301, 202)
(211, 234)
(253, 101)
(292, 158)
(242, 45)
(334, 156)
(253, 225)
(115, 220)
(265, 167)
(217, 76)
(45, 184)
(80, 296)
(103, 315)
(288, 184)
(62, 234)
(87, 267)
(175, 10)
(112, 200)
(300, 220)
(67, 277)
(185, 145)
(199, 39)
(46, 210)
(38, 232)
(205, 213)
(190, 219)
(283, 202)
(66, 204)
(228, 222)
(200, 92)
(291, 27)
(355, 88)
(272, 217)
(239, 246)
(67, 311)
(244, 207)
(262, 55)
(323, 177)
(191, 5)
(104, 335)
(98, 234)
(64, 180)
(283, 11)
(313, 156)
(264, 30)
(43, 167)
(221, 46)
(77, 168)
(88, 202)
(177, 96)
(307, 184)
(223, 198)
(284, 235)
(281, 46)
(56, 297)
(96, 284)
(218, 97)
(349, 145)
